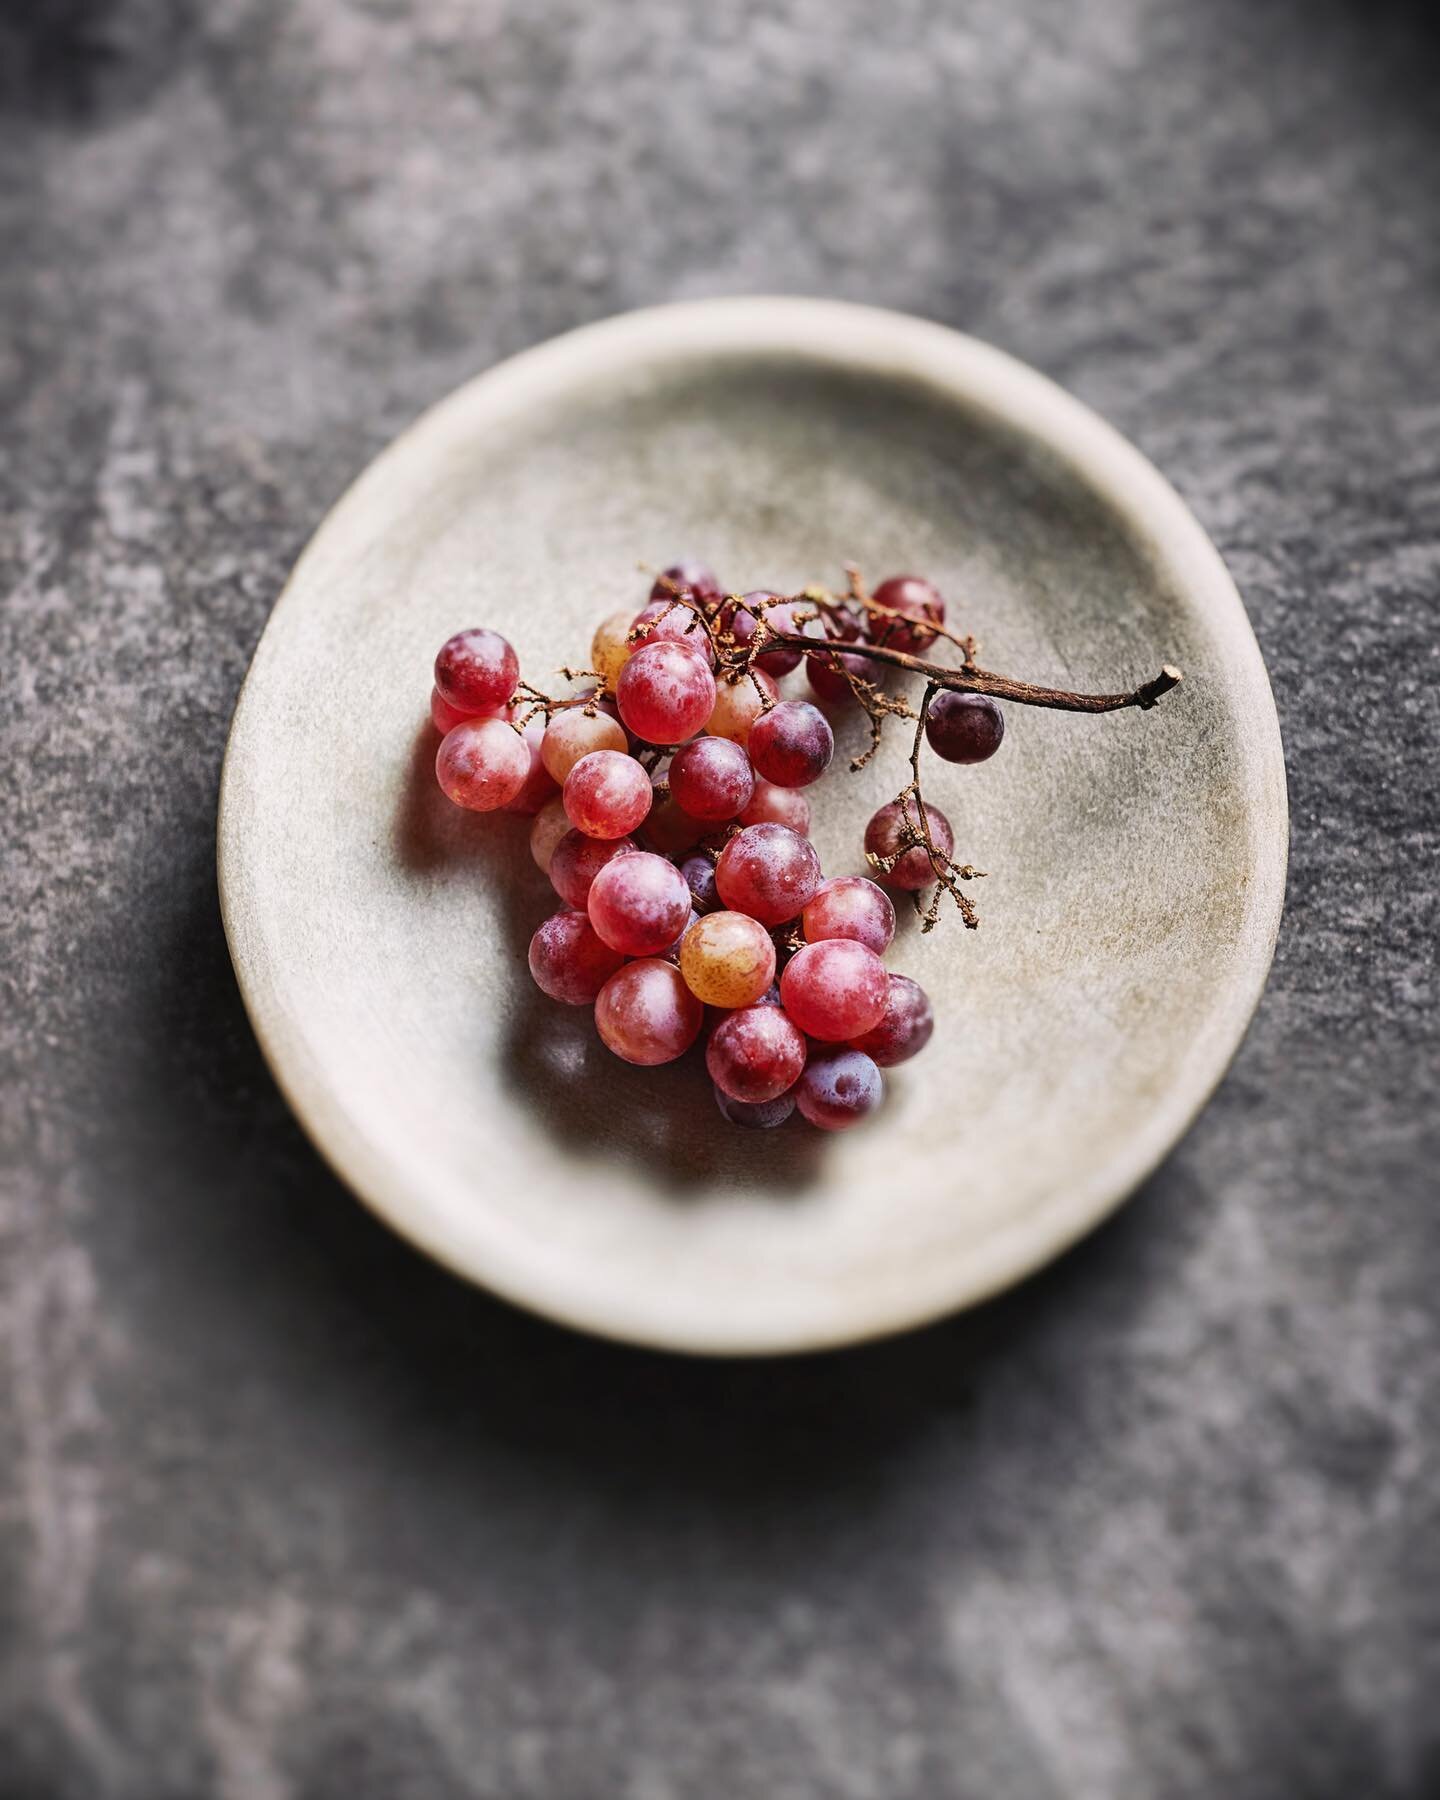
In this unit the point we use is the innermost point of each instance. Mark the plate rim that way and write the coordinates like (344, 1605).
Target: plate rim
(963, 369)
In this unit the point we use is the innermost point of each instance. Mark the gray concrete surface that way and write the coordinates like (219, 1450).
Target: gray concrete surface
(285, 1514)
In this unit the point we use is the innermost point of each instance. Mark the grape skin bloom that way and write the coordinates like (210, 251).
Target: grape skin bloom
(568, 960)
(851, 907)
(665, 693)
(769, 872)
(792, 744)
(905, 1027)
(834, 990)
(838, 1088)
(607, 794)
(646, 1014)
(576, 860)
(727, 959)
(482, 764)
(639, 904)
(755, 1054)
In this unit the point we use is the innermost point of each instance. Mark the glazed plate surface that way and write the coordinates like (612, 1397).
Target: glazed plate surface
(1136, 861)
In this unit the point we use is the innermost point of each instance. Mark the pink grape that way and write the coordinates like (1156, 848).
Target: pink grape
(476, 671)
(482, 764)
(665, 692)
(575, 733)
(699, 873)
(686, 578)
(905, 1025)
(738, 705)
(576, 860)
(743, 622)
(791, 745)
(834, 990)
(727, 959)
(443, 716)
(882, 838)
(769, 872)
(551, 824)
(569, 961)
(771, 805)
(755, 1054)
(639, 903)
(539, 784)
(669, 829)
(851, 907)
(673, 620)
(839, 1087)
(711, 779)
(762, 1115)
(830, 684)
(964, 728)
(646, 1014)
(917, 599)
(607, 794)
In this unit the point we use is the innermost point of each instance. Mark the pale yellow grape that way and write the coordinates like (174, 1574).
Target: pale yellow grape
(738, 706)
(610, 647)
(551, 824)
(576, 733)
(727, 959)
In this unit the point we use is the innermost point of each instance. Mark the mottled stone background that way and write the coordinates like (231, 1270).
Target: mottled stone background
(285, 1514)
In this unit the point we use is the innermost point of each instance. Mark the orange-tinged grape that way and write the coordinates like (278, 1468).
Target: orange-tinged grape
(738, 705)
(575, 733)
(727, 959)
(610, 647)
(646, 1014)
(482, 764)
(551, 824)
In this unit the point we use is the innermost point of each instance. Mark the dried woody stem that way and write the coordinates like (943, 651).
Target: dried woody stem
(842, 618)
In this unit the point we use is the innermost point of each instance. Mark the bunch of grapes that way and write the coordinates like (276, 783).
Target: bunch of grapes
(670, 815)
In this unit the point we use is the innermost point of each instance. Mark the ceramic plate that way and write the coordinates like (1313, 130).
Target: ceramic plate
(1136, 861)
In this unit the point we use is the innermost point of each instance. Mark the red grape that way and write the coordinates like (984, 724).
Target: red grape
(882, 838)
(762, 1115)
(905, 1025)
(917, 599)
(738, 705)
(639, 903)
(607, 794)
(791, 745)
(755, 1054)
(727, 959)
(665, 692)
(711, 779)
(674, 620)
(482, 764)
(443, 716)
(551, 824)
(568, 960)
(699, 873)
(828, 681)
(686, 578)
(769, 872)
(575, 733)
(576, 860)
(743, 622)
(964, 728)
(646, 1014)
(851, 907)
(839, 1087)
(834, 990)
(476, 671)
(771, 805)
(539, 784)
